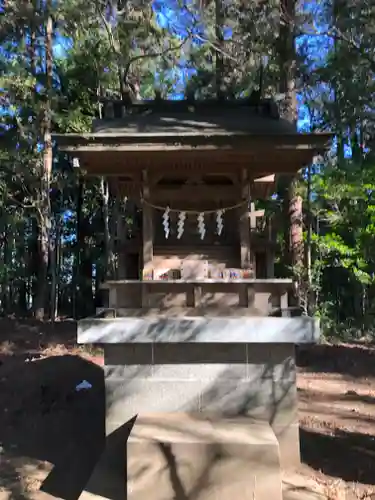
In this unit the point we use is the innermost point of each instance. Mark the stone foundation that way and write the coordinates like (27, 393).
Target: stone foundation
(227, 369)
(257, 381)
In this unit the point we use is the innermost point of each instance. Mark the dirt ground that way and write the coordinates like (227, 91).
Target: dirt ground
(45, 422)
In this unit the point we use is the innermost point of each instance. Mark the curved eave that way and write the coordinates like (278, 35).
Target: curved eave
(101, 142)
(261, 155)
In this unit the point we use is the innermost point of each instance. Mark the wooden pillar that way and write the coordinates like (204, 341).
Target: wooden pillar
(252, 227)
(147, 233)
(270, 256)
(117, 230)
(121, 239)
(247, 260)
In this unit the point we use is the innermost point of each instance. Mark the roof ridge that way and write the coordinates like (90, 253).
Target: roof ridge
(117, 108)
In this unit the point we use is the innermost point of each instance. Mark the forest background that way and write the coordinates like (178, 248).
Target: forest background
(58, 60)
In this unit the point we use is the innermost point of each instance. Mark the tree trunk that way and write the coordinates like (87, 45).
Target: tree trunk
(109, 260)
(21, 258)
(5, 276)
(308, 247)
(84, 300)
(287, 62)
(114, 230)
(78, 245)
(219, 70)
(295, 222)
(55, 269)
(292, 206)
(336, 89)
(42, 271)
(45, 218)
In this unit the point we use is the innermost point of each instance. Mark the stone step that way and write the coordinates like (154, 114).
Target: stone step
(193, 457)
(108, 480)
(179, 456)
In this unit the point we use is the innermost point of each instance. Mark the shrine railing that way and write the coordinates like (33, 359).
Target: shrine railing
(267, 297)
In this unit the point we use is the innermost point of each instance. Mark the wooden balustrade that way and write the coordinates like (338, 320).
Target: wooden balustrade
(266, 296)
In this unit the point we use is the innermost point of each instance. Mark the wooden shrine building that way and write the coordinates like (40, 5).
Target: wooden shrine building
(194, 163)
(201, 274)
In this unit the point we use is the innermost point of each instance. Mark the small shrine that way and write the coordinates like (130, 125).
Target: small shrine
(197, 327)
(196, 171)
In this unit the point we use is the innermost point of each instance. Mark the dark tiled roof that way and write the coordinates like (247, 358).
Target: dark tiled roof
(200, 118)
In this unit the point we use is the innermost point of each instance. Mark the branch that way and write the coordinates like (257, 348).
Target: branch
(356, 46)
(215, 47)
(131, 61)
(108, 29)
(335, 33)
(153, 55)
(210, 42)
(24, 206)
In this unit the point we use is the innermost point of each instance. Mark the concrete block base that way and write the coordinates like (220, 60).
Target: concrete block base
(221, 381)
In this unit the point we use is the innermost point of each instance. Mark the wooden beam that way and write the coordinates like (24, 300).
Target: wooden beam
(91, 167)
(192, 170)
(129, 188)
(266, 179)
(263, 164)
(199, 193)
(153, 147)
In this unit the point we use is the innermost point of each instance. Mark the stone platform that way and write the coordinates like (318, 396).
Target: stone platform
(139, 327)
(217, 366)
